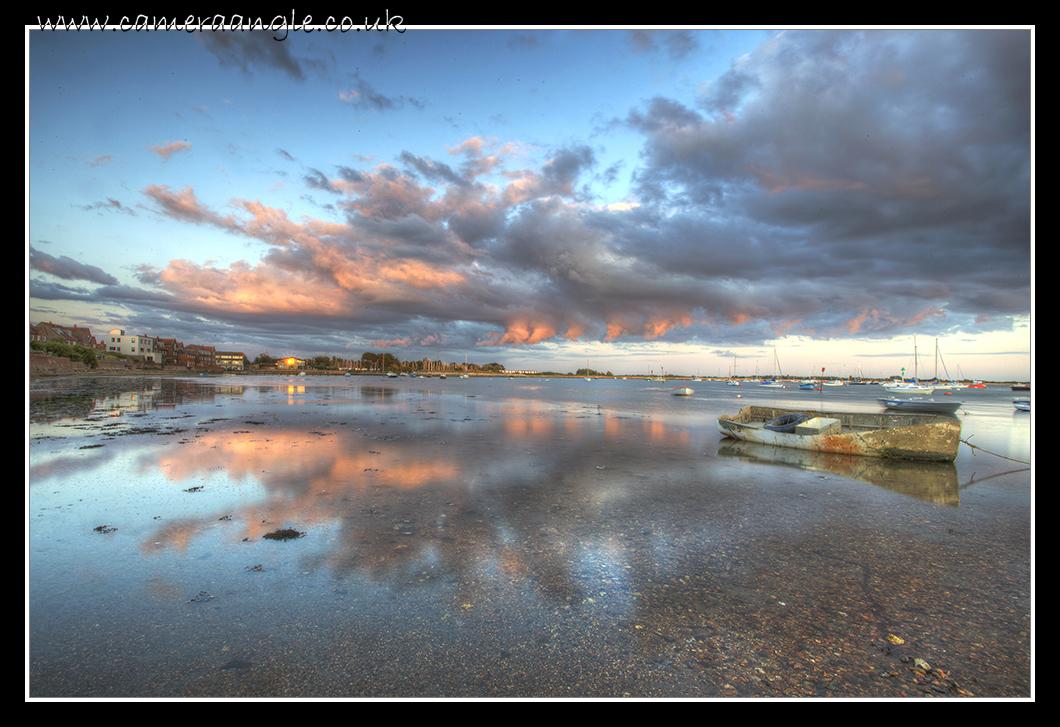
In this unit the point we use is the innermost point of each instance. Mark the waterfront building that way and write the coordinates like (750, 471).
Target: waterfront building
(142, 347)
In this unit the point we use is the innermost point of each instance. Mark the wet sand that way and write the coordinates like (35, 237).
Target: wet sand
(505, 540)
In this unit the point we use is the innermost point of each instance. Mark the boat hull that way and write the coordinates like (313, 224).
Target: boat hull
(911, 389)
(929, 406)
(892, 435)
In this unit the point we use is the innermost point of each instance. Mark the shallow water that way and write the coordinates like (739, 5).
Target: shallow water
(509, 538)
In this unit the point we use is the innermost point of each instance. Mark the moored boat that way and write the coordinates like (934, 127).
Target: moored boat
(917, 436)
(923, 405)
(1022, 404)
(911, 389)
(682, 391)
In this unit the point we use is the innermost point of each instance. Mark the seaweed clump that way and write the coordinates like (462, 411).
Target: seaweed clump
(284, 534)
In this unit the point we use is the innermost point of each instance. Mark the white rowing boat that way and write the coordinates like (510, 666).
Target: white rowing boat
(897, 435)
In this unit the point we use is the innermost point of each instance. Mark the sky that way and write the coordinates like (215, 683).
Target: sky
(636, 200)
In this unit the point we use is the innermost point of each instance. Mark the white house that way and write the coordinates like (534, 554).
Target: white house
(138, 346)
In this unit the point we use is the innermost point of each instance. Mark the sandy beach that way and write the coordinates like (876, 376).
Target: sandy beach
(508, 539)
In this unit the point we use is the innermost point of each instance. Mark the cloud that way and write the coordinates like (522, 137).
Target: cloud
(168, 149)
(316, 179)
(184, 206)
(67, 268)
(675, 43)
(827, 184)
(111, 205)
(362, 95)
(523, 41)
(247, 50)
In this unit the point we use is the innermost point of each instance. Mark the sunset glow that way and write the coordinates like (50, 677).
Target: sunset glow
(686, 197)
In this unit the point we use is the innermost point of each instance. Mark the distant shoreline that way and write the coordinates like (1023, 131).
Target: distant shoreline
(376, 374)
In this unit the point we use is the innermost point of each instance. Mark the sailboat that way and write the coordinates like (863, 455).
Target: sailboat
(914, 387)
(733, 381)
(949, 383)
(918, 404)
(860, 380)
(773, 383)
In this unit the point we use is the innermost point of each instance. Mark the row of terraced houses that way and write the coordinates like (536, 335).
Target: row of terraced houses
(142, 348)
(154, 352)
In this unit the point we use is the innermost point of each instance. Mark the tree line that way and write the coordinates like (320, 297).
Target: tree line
(373, 362)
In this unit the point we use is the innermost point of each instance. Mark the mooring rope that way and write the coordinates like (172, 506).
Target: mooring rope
(993, 453)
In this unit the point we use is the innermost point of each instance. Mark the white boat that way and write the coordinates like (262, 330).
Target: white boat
(682, 391)
(772, 383)
(911, 389)
(1022, 404)
(893, 435)
(733, 381)
(916, 386)
(938, 383)
(921, 405)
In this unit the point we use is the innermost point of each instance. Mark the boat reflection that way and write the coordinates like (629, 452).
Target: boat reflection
(931, 481)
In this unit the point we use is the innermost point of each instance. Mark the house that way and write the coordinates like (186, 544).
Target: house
(291, 362)
(168, 348)
(142, 347)
(231, 360)
(197, 356)
(45, 332)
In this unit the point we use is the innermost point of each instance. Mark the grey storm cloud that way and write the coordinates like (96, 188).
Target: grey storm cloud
(67, 268)
(250, 49)
(851, 159)
(828, 184)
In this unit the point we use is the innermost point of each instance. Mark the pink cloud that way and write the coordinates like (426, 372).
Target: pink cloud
(169, 148)
(311, 268)
(522, 332)
(388, 194)
(876, 316)
(185, 206)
